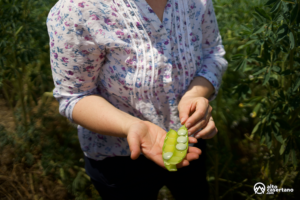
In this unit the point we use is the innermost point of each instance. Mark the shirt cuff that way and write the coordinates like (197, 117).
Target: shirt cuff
(212, 78)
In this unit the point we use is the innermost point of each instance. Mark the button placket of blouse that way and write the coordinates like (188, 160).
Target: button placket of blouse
(123, 10)
(138, 19)
(185, 39)
(178, 32)
(143, 76)
(190, 52)
(157, 30)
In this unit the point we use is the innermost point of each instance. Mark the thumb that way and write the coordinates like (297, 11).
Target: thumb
(134, 145)
(184, 111)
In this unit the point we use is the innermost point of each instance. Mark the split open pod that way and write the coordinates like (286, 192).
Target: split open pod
(175, 147)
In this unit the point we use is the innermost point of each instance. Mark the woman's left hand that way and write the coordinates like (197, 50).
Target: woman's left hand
(195, 113)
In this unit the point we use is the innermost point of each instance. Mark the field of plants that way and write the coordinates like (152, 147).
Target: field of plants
(257, 111)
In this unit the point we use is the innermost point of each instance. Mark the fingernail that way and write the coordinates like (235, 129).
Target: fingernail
(190, 133)
(188, 125)
(181, 120)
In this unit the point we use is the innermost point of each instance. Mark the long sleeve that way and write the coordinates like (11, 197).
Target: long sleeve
(213, 65)
(75, 58)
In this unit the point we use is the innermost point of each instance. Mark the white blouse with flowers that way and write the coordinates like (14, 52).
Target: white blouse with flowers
(120, 49)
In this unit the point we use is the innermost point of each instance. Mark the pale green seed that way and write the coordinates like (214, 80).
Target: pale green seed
(182, 132)
(181, 139)
(180, 146)
(167, 155)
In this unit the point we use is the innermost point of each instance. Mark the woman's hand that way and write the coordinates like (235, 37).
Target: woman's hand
(148, 138)
(195, 113)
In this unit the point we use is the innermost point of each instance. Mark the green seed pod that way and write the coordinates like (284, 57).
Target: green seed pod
(175, 147)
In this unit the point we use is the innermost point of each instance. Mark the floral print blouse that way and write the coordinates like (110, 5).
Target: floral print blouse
(120, 49)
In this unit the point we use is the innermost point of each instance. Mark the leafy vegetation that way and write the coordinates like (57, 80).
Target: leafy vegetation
(256, 111)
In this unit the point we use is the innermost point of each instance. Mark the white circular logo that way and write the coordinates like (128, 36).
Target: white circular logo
(259, 188)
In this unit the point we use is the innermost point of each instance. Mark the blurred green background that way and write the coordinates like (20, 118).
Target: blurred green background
(256, 111)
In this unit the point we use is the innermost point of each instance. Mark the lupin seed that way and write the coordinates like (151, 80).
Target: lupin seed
(180, 146)
(182, 132)
(167, 155)
(181, 139)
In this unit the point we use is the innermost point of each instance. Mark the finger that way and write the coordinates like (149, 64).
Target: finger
(184, 112)
(194, 150)
(184, 163)
(189, 157)
(158, 160)
(201, 122)
(192, 156)
(201, 111)
(193, 140)
(211, 135)
(134, 145)
(210, 128)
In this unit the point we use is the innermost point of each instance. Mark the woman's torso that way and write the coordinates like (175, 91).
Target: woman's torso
(148, 64)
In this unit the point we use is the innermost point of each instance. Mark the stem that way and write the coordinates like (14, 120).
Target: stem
(282, 182)
(23, 103)
(20, 81)
(216, 168)
(217, 154)
(9, 102)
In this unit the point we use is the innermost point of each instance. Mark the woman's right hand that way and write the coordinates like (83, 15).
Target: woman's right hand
(148, 138)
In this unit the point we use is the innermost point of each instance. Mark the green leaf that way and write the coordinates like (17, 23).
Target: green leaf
(18, 31)
(294, 158)
(262, 13)
(237, 56)
(284, 124)
(297, 84)
(282, 148)
(270, 2)
(259, 72)
(273, 82)
(276, 68)
(267, 76)
(276, 133)
(275, 7)
(242, 65)
(286, 109)
(259, 30)
(262, 139)
(256, 127)
(257, 107)
(282, 32)
(268, 139)
(245, 28)
(287, 152)
(278, 17)
(258, 18)
(292, 40)
(262, 60)
(294, 13)
(247, 44)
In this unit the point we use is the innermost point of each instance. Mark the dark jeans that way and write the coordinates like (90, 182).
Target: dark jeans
(122, 178)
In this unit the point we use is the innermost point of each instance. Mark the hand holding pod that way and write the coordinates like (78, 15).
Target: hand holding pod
(175, 147)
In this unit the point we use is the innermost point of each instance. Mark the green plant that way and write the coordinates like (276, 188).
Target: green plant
(271, 66)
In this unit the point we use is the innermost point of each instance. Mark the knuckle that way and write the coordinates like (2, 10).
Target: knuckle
(201, 113)
(205, 100)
